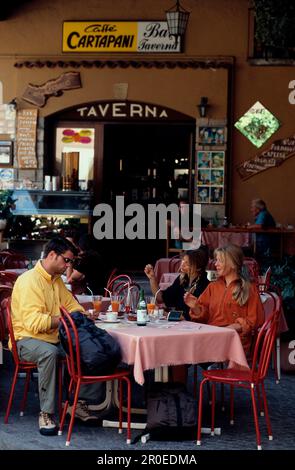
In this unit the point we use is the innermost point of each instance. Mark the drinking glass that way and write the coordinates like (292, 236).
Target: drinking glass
(150, 304)
(97, 302)
(115, 302)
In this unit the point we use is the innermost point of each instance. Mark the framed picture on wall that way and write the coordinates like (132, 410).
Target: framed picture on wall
(210, 176)
(209, 135)
(6, 153)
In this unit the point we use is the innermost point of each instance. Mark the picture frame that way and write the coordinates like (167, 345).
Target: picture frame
(6, 153)
(212, 135)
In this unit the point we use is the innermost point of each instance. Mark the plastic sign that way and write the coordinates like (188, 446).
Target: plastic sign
(118, 36)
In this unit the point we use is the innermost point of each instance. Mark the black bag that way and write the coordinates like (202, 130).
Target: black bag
(100, 352)
(171, 412)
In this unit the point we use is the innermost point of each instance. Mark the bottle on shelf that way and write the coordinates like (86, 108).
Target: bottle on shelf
(225, 222)
(141, 313)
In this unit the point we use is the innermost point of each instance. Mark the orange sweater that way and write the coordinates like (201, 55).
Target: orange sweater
(220, 309)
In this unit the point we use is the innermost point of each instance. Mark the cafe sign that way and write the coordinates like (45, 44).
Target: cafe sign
(274, 156)
(118, 36)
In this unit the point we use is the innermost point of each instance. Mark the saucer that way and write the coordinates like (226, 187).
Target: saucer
(110, 321)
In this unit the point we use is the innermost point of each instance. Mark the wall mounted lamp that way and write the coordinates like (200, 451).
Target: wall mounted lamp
(177, 19)
(203, 106)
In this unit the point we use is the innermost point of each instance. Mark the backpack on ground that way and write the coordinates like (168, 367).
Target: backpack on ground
(171, 412)
(100, 352)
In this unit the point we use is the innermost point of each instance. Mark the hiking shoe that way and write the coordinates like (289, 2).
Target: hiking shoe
(47, 425)
(83, 413)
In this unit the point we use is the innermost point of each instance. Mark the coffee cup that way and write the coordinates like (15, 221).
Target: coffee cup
(112, 316)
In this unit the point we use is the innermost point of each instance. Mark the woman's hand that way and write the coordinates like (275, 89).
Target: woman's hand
(190, 300)
(235, 326)
(149, 271)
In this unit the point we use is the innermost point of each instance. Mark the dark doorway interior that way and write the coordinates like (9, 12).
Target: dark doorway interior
(145, 163)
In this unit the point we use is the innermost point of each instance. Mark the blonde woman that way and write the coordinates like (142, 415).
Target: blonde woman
(232, 300)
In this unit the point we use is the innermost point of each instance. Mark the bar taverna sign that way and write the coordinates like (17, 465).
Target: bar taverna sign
(118, 36)
(115, 110)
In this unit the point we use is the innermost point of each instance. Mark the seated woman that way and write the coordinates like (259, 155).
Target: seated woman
(192, 278)
(232, 300)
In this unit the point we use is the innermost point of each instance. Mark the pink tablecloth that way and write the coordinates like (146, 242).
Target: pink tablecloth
(268, 305)
(167, 279)
(166, 265)
(166, 343)
(218, 239)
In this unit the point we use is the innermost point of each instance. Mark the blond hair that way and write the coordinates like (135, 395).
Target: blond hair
(233, 255)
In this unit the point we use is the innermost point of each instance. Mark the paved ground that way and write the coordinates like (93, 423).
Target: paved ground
(22, 432)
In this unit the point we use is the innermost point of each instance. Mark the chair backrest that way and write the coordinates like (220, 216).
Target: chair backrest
(118, 281)
(8, 278)
(111, 277)
(11, 332)
(264, 281)
(73, 355)
(265, 342)
(174, 264)
(16, 261)
(130, 293)
(5, 293)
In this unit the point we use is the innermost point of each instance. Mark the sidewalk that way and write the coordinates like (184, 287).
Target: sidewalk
(22, 433)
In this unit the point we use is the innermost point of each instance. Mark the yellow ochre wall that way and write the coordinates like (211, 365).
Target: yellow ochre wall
(216, 28)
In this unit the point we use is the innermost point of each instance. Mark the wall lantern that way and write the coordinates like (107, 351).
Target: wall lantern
(203, 106)
(177, 19)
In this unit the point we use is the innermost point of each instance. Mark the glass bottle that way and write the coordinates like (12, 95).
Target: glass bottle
(141, 310)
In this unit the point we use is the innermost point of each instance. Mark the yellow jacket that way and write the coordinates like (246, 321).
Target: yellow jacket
(36, 297)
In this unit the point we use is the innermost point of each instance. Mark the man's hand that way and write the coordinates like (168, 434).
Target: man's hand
(190, 300)
(55, 322)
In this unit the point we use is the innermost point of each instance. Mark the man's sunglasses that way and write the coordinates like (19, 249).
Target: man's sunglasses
(68, 260)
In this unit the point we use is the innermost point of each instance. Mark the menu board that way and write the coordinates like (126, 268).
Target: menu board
(26, 138)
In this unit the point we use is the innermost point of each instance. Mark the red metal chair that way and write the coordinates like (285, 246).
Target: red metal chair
(77, 379)
(117, 282)
(28, 368)
(252, 379)
(8, 278)
(15, 261)
(5, 292)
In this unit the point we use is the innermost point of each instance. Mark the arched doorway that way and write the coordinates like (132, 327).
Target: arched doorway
(142, 151)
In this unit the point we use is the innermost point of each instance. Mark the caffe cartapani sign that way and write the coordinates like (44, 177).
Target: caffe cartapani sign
(118, 36)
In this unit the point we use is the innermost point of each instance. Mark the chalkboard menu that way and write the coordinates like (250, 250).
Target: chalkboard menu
(26, 138)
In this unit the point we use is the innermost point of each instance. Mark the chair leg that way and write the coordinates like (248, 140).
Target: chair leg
(213, 408)
(232, 390)
(258, 437)
(260, 405)
(267, 419)
(200, 412)
(11, 395)
(62, 421)
(60, 384)
(209, 392)
(120, 407)
(78, 385)
(24, 400)
(128, 441)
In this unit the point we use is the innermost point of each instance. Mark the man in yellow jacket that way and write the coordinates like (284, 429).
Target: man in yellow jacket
(36, 299)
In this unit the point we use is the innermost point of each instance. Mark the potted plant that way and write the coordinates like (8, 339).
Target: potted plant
(274, 26)
(7, 204)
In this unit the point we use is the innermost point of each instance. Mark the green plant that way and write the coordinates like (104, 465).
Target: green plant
(6, 204)
(274, 25)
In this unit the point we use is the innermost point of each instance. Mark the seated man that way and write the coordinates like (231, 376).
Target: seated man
(36, 299)
(264, 220)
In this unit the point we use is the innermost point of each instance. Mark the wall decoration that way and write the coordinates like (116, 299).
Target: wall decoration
(39, 94)
(6, 153)
(211, 135)
(26, 138)
(258, 124)
(210, 170)
(6, 178)
(275, 155)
